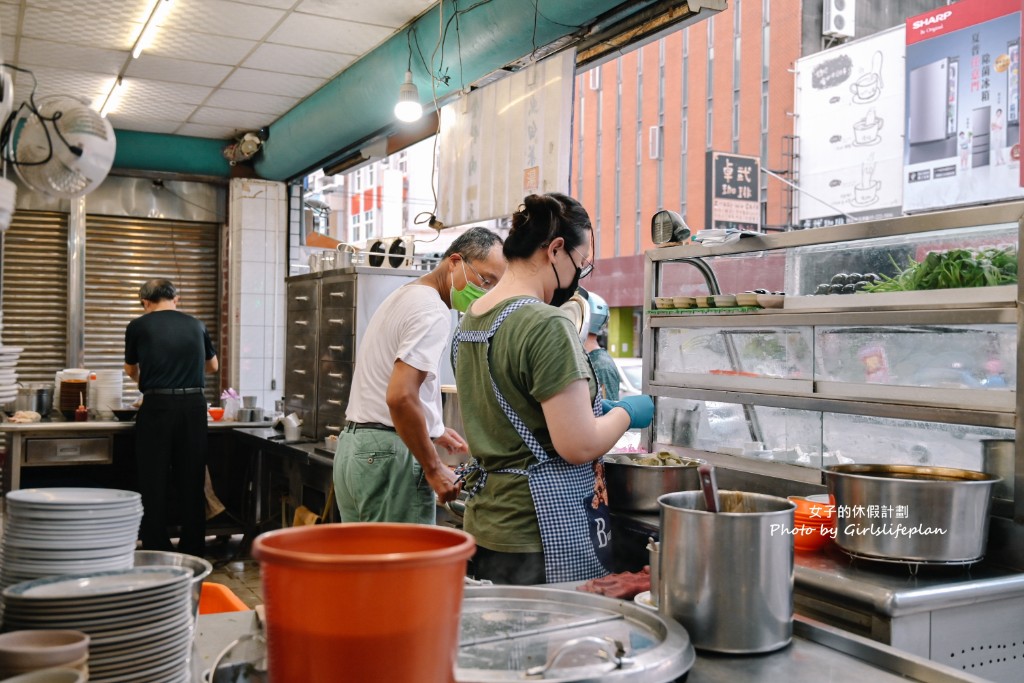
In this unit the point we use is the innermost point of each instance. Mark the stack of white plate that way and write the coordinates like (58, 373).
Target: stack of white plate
(54, 531)
(139, 620)
(8, 377)
(105, 391)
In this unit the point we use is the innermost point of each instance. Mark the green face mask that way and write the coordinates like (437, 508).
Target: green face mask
(462, 298)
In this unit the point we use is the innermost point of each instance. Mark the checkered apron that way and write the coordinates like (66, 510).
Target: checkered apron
(573, 518)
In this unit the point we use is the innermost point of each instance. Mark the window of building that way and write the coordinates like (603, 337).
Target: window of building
(371, 174)
(595, 78)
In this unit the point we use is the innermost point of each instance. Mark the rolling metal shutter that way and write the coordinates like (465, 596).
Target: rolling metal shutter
(34, 289)
(122, 253)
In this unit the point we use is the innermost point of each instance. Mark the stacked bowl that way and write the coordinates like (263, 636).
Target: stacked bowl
(814, 521)
(25, 651)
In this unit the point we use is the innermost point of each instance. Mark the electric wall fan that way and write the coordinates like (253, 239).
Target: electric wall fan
(61, 147)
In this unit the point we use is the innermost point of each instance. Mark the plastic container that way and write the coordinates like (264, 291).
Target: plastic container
(363, 601)
(216, 414)
(215, 598)
(727, 577)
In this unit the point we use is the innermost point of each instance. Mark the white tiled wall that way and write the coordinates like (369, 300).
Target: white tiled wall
(257, 239)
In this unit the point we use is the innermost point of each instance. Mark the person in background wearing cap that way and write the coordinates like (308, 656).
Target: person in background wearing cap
(604, 367)
(386, 468)
(167, 353)
(535, 422)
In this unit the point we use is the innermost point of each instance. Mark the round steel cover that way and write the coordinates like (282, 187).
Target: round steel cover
(508, 630)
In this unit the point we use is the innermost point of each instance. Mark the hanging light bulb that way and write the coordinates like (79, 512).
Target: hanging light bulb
(408, 108)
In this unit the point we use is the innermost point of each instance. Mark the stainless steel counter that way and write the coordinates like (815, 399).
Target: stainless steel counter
(63, 443)
(818, 654)
(961, 616)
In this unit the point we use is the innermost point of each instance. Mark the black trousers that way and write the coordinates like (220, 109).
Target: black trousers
(170, 451)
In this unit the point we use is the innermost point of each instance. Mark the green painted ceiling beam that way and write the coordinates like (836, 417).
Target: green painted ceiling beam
(170, 154)
(357, 105)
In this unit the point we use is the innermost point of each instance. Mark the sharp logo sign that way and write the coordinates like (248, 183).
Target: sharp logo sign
(934, 19)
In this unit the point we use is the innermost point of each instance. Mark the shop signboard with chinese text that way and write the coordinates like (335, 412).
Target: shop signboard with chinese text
(734, 192)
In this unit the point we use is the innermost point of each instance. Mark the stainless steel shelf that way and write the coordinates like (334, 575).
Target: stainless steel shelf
(874, 407)
(781, 318)
(1010, 212)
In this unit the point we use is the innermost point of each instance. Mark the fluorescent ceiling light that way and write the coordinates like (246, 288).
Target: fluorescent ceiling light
(157, 15)
(113, 98)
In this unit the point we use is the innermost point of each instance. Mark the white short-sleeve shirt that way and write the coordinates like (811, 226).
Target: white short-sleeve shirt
(411, 325)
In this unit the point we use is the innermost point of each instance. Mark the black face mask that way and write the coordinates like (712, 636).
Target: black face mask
(563, 294)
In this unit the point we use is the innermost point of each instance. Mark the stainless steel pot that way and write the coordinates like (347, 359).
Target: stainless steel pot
(37, 396)
(997, 456)
(905, 513)
(636, 488)
(727, 577)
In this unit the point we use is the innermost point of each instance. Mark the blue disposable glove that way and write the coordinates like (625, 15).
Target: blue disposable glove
(640, 409)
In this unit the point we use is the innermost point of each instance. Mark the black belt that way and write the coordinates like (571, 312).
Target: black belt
(175, 392)
(352, 426)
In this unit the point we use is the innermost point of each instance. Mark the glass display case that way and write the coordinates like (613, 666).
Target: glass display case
(883, 349)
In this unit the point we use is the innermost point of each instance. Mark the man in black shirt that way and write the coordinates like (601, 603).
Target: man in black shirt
(167, 353)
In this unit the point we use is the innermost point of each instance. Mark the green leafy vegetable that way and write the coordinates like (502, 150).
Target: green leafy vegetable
(956, 268)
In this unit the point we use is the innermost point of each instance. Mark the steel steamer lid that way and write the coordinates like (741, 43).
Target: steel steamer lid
(507, 630)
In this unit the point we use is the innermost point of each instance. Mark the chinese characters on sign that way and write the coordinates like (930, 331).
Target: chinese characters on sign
(734, 192)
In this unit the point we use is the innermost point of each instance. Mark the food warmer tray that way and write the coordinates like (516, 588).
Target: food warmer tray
(508, 631)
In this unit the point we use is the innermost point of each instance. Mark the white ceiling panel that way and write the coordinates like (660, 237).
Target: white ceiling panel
(227, 117)
(91, 29)
(202, 47)
(36, 52)
(177, 70)
(297, 60)
(168, 92)
(85, 86)
(214, 68)
(9, 19)
(272, 83)
(251, 101)
(277, 4)
(222, 18)
(202, 130)
(135, 107)
(115, 10)
(332, 35)
(145, 124)
(392, 13)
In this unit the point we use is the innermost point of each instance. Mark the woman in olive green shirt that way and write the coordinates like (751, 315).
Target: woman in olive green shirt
(529, 404)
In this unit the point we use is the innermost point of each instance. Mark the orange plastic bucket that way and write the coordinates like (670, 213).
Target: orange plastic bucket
(363, 601)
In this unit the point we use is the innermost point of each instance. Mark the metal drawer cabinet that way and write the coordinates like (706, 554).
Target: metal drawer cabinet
(96, 450)
(338, 293)
(303, 295)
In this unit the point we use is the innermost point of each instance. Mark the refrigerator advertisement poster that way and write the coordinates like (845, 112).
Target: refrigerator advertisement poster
(962, 105)
(849, 102)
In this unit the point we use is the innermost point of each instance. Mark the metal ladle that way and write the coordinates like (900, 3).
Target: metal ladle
(709, 486)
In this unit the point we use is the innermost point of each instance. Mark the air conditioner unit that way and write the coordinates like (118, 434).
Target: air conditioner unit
(838, 18)
(390, 252)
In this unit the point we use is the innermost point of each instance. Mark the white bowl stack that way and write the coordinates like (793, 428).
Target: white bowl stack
(139, 620)
(105, 392)
(8, 376)
(55, 531)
